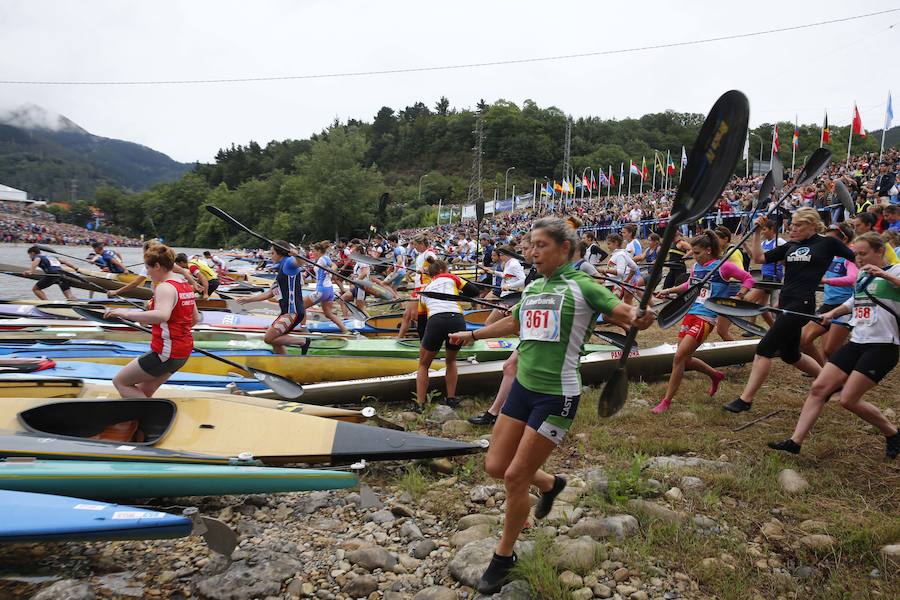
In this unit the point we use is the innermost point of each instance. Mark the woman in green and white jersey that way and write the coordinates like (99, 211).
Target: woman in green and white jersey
(555, 317)
(870, 355)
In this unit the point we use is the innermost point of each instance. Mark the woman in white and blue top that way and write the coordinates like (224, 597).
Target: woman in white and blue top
(324, 293)
(870, 355)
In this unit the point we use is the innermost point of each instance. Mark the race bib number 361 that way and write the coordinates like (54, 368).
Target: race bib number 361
(540, 317)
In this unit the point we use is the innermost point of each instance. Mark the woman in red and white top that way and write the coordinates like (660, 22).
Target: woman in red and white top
(172, 312)
(444, 317)
(420, 278)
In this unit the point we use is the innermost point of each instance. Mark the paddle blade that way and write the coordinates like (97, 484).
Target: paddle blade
(814, 165)
(479, 209)
(777, 171)
(515, 255)
(733, 307)
(749, 326)
(96, 315)
(356, 312)
(366, 259)
(282, 386)
(765, 190)
(614, 394)
(715, 153)
(611, 337)
(44, 248)
(675, 310)
(846, 199)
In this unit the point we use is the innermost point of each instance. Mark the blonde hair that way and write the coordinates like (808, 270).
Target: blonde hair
(810, 216)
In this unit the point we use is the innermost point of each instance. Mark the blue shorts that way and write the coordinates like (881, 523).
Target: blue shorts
(323, 295)
(551, 416)
(396, 277)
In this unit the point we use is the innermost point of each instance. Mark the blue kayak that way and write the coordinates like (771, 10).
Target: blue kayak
(98, 348)
(30, 517)
(88, 370)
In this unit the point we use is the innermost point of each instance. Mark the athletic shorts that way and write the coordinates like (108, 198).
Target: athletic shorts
(153, 365)
(48, 280)
(551, 416)
(695, 326)
(358, 293)
(212, 285)
(773, 294)
(872, 360)
(323, 295)
(396, 277)
(438, 329)
(421, 324)
(286, 323)
(783, 338)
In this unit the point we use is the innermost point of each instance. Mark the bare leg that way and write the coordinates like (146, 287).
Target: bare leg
(327, 311)
(129, 379)
(450, 373)
(811, 332)
(723, 326)
(686, 347)
(837, 336)
(525, 469)
(39, 293)
(829, 380)
(758, 375)
(68, 294)
(425, 358)
(510, 366)
(851, 399)
(409, 315)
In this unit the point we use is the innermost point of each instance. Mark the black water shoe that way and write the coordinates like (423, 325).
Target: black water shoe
(787, 445)
(545, 503)
(737, 406)
(484, 418)
(497, 574)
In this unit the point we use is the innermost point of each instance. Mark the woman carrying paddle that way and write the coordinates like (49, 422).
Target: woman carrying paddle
(621, 265)
(324, 293)
(699, 321)
(838, 281)
(288, 290)
(871, 354)
(806, 257)
(444, 318)
(771, 272)
(554, 318)
(172, 312)
(424, 252)
(723, 325)
(676, 258)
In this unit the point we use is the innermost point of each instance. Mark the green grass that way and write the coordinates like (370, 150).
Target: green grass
(537, 569)
(414, 481)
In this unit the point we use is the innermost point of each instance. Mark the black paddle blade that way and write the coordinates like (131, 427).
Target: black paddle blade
(96, 315)
(44, 248)
(814, 165)
(748, 326)
(356, 311)
(846, 199)
(282, 386)
(515, 255)
(766, 189)
(365, 259)
(713, 156)
(732, 307)
(777, 171)
(675, 310)
(479, 210)
(612, 338)
(614, 393)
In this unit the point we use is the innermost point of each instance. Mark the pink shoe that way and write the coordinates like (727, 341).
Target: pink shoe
(662, 407)
(718, 378)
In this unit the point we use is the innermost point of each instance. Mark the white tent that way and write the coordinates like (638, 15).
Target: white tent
(10, 194)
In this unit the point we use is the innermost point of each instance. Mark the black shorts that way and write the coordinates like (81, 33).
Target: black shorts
(549, 415)
(421, 324)
(438, 329)
(872, 360)
(48, 280)
(783, 338)
(153, 365)
(212, 285)
(825, 308)
(675, 276)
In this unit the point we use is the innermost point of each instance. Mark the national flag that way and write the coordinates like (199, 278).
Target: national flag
(888, 113)
(857, 123)
(670, 166)
(658, 163)
(593, 183)
(557, 188)
(602, 180)
(795, 141)
(633, 169)
(587, 183)
(646, 172)
(683, 157)
(775, 143)
(826, 133)
(566, 186)
(545, 190)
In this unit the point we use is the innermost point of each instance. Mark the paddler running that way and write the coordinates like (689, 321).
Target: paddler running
(52, 268)
(172, 312)
(288, 290)
(324, 293)
(554, 318)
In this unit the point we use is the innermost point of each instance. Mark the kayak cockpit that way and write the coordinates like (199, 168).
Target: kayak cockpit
(134, 421)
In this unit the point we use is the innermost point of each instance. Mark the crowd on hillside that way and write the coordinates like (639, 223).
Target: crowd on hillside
(27, 224)
(873, 184)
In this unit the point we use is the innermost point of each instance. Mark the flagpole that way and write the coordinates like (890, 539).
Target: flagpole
(822, 134)
(888, 117)
(653, 186)
(533, 196)
(440, 202)
(794, 143)
(643, 166)
(850, 137)
(608, 184)
(630, 164)
(747, 155)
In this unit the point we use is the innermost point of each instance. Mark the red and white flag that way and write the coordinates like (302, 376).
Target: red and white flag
(857, 123)
(775, 144)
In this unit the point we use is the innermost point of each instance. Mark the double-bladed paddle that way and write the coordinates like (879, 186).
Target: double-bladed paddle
(846, 199)
(614, 339)
(282, 386)
(44, 248)
(710, 165)
(677, 308)
(732, 307)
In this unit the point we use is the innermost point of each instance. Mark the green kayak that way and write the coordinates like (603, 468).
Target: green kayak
(97, 479)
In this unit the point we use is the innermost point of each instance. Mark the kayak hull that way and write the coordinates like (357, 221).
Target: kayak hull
(97, 479)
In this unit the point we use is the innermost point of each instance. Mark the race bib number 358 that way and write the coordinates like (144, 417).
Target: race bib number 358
(540, 317)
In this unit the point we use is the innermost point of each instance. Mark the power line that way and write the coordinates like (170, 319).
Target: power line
(495, 63)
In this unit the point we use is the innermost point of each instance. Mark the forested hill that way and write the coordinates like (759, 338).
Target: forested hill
(331, 183)
(44, 153)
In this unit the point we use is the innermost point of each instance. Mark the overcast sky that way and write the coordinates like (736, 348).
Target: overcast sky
(119, 40)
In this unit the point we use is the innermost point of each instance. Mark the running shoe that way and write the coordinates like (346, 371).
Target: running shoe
(787, 445)
(497, 574)
(737, 406)
(892, 446)
(662, 407)
(545, 503)
(484, 418)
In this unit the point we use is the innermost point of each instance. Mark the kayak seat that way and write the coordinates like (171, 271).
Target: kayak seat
(125, 431)
(138, 421)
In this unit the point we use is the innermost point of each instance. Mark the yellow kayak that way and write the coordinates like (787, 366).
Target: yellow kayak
(302, 369)
(51, 387)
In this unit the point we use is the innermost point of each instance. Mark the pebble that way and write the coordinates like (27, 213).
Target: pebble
(791, 481)
(382, 516)
(422, 549)
(476, 519)
(657, 511)
(674, 495)
(691, 485)
(571, 580)
(813, 526)
(372, 558)
(442, 465)
(817, 541)
(583, 594)
(436, 592)
(476, 532)
(576, 555)
(442, 413)
(891, 553)
(456, 427)
(620, 526)
(683, 462)
(410, 531)
(361, 586)
(67, 589)
(602, 591)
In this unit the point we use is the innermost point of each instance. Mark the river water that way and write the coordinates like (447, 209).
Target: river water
(12, 288)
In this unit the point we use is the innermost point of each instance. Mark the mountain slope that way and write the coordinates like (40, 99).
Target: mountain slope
(43, 153)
